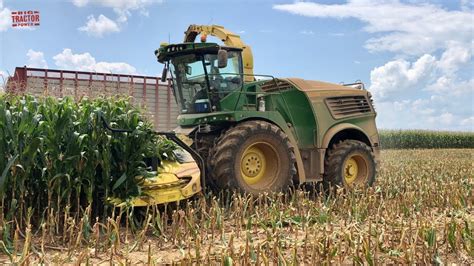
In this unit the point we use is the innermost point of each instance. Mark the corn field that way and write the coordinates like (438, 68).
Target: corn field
(425, 139)
(58, 158)
(60, 165)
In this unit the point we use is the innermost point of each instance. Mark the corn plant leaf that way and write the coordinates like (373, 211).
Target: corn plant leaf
(228, 261)
(5, 173)
(29, 153)
(120, 181)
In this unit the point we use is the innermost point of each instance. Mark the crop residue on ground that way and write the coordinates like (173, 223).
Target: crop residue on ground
(419, 211)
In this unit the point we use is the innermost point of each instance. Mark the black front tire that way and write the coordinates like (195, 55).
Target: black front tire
(230, 155)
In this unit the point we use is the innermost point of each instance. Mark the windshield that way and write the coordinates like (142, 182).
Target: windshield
(199, 84)
(189, 81)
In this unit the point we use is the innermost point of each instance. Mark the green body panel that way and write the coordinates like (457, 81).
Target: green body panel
(297, 111)
(305, 117)
(290, 109)
(190, 120)
(309, 112)
(325, 120)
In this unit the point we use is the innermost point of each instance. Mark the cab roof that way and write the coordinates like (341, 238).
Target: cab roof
(166, 52)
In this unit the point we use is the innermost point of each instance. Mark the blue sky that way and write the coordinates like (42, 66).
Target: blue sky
(414, 56)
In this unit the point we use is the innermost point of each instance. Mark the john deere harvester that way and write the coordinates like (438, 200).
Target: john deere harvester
(258, 133)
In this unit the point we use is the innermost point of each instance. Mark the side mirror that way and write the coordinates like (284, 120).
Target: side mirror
(164, 74)
(221, 58)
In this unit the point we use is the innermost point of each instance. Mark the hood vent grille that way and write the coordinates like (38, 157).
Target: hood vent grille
(344, 106)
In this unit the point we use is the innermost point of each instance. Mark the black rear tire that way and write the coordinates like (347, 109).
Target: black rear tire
(348, 164)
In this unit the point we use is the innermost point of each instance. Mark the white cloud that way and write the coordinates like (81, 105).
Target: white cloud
(427, 72)
(36, 59)
(399, 76)
(443, 98)
(98, 28)
(3, 79)
(86, 62)
(467, 5)
(452, 86)
(407, 28)
(80, 3)
(5, 17)
(307, 32)
(116, 67)
(454, 57)
(122, 8)
(446, 118)
(429, 84)
(67, 60)
(468, 122)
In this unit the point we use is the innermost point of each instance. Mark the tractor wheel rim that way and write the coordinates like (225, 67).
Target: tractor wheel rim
(355, 170)
(258, 163)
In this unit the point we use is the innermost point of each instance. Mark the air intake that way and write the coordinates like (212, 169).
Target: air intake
(345, 106)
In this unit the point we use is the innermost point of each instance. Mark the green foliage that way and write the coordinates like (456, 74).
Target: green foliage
(424, 139)
(56, 153)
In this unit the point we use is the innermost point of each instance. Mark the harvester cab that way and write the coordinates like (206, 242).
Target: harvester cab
(265, 134)
(203, 74)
